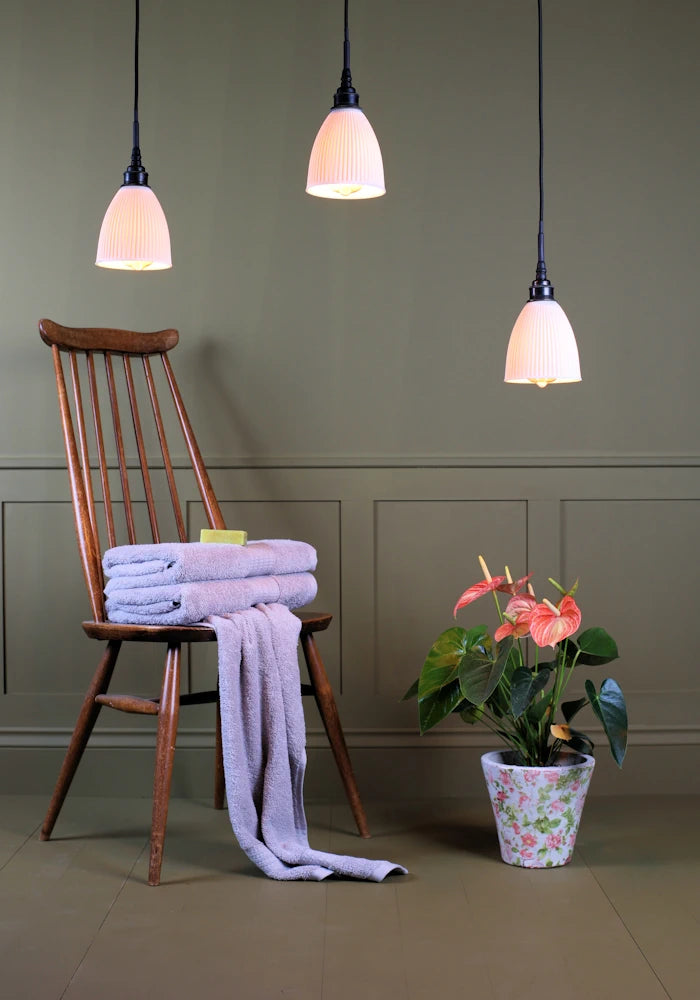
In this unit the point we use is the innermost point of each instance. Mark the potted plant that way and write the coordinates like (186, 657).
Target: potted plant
(538, 784)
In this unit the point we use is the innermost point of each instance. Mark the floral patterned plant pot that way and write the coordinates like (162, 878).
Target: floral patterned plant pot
(537, 809)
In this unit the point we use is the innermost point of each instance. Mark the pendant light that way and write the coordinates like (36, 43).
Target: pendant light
(542, 348)
(346, 161)
(134, 234)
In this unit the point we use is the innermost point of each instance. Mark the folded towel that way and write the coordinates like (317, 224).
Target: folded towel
(182, 562)
(263, 734)
(187, 603)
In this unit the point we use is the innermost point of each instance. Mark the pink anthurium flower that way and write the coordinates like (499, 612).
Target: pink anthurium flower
(549, 624)
(510, 587)
(517, 617)
(479, 589)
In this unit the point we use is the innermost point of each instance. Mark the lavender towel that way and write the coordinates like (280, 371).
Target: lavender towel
(187, 603)
(166, 563)
(262, 723)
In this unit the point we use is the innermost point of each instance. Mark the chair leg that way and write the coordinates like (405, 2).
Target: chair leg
(329, 713)
(168, 713)
(219, 780)
(81, 734)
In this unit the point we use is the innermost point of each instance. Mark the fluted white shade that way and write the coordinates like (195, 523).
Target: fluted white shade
(134, 234)
(542, 347)
(346, 161)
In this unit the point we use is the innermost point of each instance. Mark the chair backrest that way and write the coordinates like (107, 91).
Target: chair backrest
(117, 363)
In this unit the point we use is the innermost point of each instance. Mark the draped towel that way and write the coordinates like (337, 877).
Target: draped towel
(263, 734)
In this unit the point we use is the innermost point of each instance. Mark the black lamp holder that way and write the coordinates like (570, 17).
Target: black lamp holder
(541, 288)
(135, 173)
(346, 96)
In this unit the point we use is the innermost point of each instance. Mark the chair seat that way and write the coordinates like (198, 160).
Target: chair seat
(311, 621)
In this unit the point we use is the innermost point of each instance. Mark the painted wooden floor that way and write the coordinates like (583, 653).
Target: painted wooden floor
(77, 920)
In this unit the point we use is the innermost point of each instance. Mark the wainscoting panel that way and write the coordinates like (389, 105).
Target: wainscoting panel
(426, 556)
(397, 545)
(640, 580)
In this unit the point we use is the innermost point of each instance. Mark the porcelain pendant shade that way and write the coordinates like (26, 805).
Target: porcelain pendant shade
(346, 161)
(542, 348)
(134, 234)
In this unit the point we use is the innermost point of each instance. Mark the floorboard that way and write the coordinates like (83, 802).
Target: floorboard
(78, 921)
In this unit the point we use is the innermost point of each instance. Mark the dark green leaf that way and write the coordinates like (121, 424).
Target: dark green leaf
(524, 685)
(609, 706)
(472, 714)
(580, 742)
(412, 691)
(570, 708)
(536, 711)
(438, 706)
(478, 637)
(479, 675)
(443, 660)
(597, 647)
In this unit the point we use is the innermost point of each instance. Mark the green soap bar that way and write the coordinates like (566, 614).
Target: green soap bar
(230, 537)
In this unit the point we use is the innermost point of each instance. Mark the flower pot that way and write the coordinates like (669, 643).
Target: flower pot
(537, 809)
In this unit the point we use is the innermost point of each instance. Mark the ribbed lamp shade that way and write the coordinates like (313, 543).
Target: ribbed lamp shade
(346, 161)
(134, 234)
(542, 347)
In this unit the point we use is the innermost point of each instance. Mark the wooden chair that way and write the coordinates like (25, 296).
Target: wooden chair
(116, 350)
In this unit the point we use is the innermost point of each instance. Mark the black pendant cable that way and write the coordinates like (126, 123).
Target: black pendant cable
(346, 96)
(134, 234)
(542, 348)
(540, 288)
(135, 172)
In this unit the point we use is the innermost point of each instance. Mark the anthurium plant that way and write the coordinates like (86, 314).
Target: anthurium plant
(487, 679)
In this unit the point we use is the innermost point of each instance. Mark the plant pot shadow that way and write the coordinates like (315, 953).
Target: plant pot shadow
(475, 838)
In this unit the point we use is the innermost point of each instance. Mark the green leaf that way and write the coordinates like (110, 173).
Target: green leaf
(524, 685)
(479, 674)
(472, 714)
(570, 708)
(443, 660)
(580, 742)
(597, 647)
(609, 706)
(536, 711)
(412, 691)
(437, 706)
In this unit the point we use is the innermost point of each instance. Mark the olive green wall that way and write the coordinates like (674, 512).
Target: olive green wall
(343, 363)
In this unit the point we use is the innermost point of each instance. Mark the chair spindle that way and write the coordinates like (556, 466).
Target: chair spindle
(123, 472)
(211, 505)
(101, 457)
(84, 449)
(165, 451)
(86, 543)
(143, 458)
